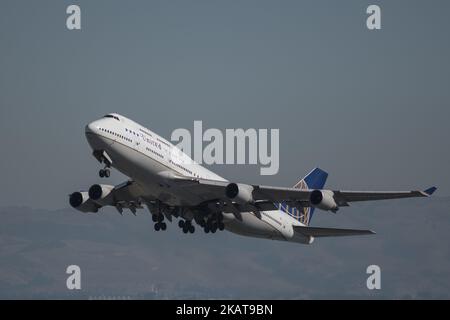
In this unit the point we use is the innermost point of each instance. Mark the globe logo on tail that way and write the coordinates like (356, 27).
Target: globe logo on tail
(301, 214)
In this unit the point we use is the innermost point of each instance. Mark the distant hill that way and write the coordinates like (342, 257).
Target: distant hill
(123, 257)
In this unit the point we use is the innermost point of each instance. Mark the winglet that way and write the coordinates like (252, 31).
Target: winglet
(430, 191)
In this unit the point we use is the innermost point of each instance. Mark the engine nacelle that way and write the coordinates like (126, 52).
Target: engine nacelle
(323, 199)
(100, 192)
(81, 202)
(240, 193)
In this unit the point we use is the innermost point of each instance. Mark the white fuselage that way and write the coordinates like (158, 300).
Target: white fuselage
(149, 159)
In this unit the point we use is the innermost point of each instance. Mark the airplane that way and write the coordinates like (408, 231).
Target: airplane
(171, 185)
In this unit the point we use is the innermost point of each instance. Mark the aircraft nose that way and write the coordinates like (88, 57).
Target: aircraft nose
(94, 135)
(91, 128)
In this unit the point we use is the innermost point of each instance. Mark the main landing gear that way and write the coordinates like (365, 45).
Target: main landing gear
(187, 226)
(159, 222)
(213, 224)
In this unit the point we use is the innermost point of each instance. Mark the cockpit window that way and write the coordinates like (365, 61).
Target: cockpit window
(111, 116)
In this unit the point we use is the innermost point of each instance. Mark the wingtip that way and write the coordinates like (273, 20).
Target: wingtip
(430, 191)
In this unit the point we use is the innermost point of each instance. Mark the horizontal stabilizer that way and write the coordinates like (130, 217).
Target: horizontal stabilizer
(330, 232)
(430, 191)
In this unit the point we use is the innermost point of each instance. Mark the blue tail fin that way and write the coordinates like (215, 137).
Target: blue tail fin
(314, 180)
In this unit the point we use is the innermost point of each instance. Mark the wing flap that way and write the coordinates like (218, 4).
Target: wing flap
(127, 195)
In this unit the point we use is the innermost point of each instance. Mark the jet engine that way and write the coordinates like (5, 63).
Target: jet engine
(241, 193)
(81, 202)
(99, 193)
(323, 199)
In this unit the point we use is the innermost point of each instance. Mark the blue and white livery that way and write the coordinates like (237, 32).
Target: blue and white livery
(171, 185)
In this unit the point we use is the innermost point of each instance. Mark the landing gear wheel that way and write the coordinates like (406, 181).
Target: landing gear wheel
(221, 226)
(160, 218)
(104, 173)
(214, 228)
(191, 229)
(154, 218)
(185, 228)
(163, 226)
(157, 226)
(181, 223)
(206, 229)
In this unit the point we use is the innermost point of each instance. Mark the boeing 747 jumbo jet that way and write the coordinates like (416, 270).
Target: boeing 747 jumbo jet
(169, 184)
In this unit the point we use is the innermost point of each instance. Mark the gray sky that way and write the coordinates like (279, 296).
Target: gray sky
(370, 107)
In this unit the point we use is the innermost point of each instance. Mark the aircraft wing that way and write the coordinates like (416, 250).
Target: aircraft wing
(343, 197)
(264, 197)
(127, 195)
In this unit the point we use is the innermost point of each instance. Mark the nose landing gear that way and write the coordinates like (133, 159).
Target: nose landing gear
(103, 157)
(104, 173)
